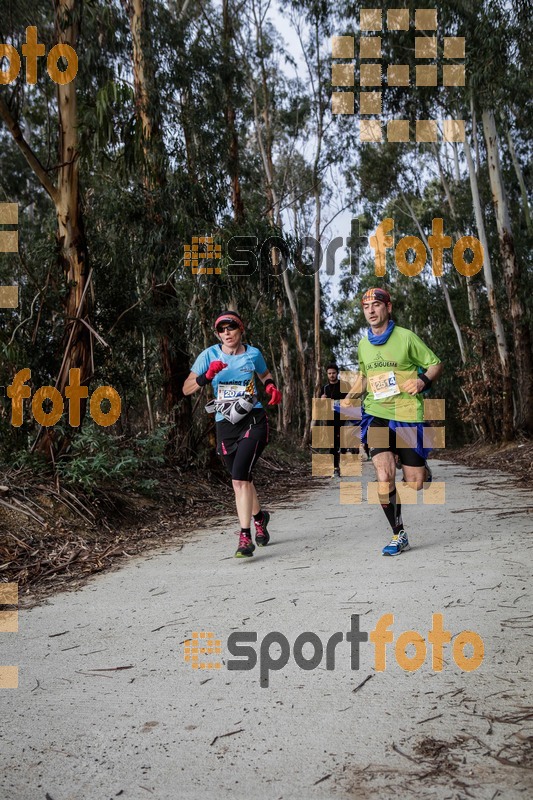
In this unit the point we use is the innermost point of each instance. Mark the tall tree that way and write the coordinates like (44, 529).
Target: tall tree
(229, 19)
(65, 195)
(174, 360)
(513, 280)
(495, 316)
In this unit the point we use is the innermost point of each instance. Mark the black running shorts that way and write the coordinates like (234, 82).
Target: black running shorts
(241, 445)
(407, 455)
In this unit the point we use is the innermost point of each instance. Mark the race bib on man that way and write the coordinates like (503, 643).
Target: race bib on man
(230, 391)
(383, 385)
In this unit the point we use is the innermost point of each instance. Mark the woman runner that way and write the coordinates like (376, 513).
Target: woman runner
(230, 368)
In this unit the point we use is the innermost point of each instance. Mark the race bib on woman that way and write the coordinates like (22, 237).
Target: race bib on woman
(230, 391)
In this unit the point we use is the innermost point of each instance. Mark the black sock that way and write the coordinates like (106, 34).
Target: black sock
(259, 516)
(393, 511)
(246, 531)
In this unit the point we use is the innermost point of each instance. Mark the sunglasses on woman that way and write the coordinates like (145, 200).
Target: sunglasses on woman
(228, 326)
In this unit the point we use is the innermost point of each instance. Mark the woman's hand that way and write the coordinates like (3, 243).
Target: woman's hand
(275, 394)
(214, 368)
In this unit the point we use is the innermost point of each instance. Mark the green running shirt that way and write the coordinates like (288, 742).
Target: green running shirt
(387, 367)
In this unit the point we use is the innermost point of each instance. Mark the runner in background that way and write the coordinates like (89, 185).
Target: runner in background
(332, 391)
(230, 367)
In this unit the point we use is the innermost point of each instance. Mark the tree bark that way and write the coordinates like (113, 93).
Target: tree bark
(497, 325)
(521, 181)
(71, 236)
(274, 214)
(513, 281)
(146, 99)
(447, 299)
(174, 359)
(318, 206)
(147, 385)
(71, 242)
(473, 303)
(229, 113)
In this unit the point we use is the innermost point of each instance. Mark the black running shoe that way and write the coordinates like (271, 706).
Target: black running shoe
(246, 546)
(262, 536)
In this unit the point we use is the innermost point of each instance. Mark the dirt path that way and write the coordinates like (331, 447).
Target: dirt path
(78, 728)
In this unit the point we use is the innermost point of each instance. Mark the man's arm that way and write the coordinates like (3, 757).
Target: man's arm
(416, 385)
(357, 389)
(434, 371)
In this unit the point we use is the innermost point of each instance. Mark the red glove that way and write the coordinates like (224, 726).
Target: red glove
(214, 368)
(275, 394)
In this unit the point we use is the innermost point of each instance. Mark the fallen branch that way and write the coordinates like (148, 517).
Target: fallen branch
(222, 735)
(362, 684)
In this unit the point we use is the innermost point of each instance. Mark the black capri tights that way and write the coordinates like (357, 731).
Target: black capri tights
(241, 462)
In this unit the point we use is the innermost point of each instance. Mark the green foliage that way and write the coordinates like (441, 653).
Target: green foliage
(206, 80)
(98, 460)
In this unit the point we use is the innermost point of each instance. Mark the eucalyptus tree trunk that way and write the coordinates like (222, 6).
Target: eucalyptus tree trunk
(71, 241)
(320, 110)
(70, 233)
(473, 302)
(274, 213)
(233, 159)
(442, 281)
(513, 281)
(521, 181)
(317, 295)
(174, 360)
(496, 321)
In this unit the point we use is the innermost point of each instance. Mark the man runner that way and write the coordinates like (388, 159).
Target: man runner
(332, 391)
(389, 361)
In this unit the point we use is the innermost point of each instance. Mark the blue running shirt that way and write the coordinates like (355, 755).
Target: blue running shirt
(234, 379)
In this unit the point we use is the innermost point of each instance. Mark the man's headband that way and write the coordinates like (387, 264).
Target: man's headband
(381, 295)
